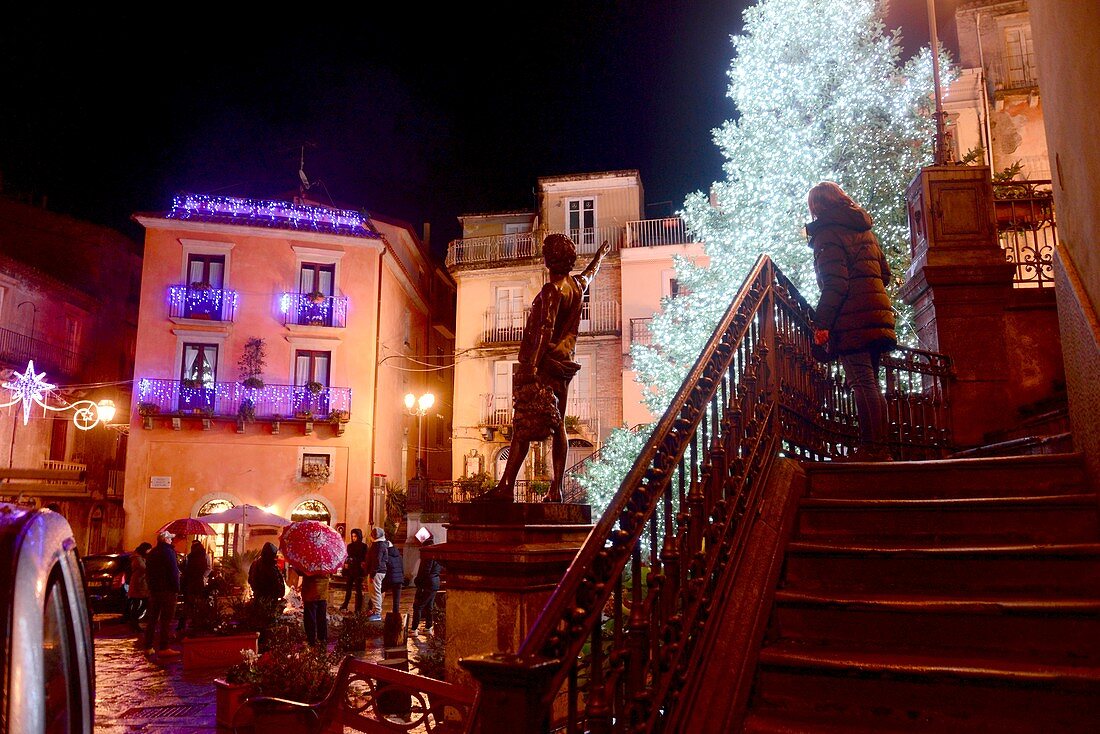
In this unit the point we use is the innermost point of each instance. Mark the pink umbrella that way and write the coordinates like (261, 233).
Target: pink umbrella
(188, 526)
(313, 548)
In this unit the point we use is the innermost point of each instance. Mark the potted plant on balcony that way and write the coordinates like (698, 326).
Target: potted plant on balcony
(1018, 204)
(314, 387)
(338, 416)
(316, 473)
(316, 297)
(250, 367)
(191, 383)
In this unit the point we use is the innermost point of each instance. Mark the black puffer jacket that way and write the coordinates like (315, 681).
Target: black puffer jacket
(852, 274)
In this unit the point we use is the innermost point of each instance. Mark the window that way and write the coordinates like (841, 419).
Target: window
(206, 270)
(198, 373)
(72, 334)
(311, 510)
(501, 403)
(225, 534)
(406, 327)
(311, 370)
(508, 323)
(317, 278)
(581, 220)
(315, 467)
(1019, 61)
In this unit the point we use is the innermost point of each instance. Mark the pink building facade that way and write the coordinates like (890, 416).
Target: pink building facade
(315, 428)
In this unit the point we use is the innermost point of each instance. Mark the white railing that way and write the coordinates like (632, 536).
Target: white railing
(656, 232)
(600, 317)
(54, 465)
(496, 248)
(496, 409)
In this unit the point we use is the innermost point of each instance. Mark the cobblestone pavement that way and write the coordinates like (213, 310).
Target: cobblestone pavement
(135, 694)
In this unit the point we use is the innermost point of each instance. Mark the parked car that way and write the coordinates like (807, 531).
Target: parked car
(106, 577)
(47, 674)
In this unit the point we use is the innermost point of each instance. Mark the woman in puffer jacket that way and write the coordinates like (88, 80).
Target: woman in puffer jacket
(854, 315)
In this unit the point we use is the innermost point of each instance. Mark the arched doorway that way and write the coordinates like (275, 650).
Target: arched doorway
(311, 510)
(225, 535)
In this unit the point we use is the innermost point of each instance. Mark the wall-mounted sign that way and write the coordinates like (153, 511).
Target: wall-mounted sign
(160, 482)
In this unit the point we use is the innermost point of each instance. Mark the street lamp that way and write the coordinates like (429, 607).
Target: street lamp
(418, 406)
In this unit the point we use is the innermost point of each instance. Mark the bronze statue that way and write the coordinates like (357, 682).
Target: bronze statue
(540, 381)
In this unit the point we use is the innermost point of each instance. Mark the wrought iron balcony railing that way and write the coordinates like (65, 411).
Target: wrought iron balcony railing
(310, 309)
(232, 399)
(620, 634)
(656, 232)
(640, 331)
(201, 302)
(18, 349)
(1026, 230)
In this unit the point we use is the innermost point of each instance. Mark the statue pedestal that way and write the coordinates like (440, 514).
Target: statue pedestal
(959, 284)
(501, 562)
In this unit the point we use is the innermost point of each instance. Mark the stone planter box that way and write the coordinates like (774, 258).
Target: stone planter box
(217, 650)
(228, 698)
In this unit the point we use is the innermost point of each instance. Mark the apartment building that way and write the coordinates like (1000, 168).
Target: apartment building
(498, 270)
(315, 426)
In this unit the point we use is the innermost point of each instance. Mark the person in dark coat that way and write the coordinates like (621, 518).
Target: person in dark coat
(395, 576)
(195, 570)
(265, 578)
(162, 571)
(427, 584)
(137, 588)
(354, 569)
(854, 315)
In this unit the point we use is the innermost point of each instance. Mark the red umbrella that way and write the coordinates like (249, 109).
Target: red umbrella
(188, 526)
(313, 548)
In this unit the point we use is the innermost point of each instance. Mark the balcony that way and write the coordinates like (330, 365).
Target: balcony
(202, 303)
(234, 400)
(506, 326)
(588, 413)
(18, 349)
(311, 309)
(656, 232)
(516, 248)
(1016, 74)
(1026, 230)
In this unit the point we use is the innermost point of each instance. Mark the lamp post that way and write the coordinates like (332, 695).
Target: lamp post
(418, 406)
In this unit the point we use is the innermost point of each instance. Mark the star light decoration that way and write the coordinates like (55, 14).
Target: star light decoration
(30, 387)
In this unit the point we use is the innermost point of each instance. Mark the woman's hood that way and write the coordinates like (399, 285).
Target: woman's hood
(848, 216)
(269, 551)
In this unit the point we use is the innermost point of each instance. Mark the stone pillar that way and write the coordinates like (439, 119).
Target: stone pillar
(959, 284)
(502, 561)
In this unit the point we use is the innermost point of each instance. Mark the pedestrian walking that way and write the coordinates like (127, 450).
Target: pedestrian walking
(427, 584)
(163, 576)
(376, 565)
(854, 315)
(137, 591)
(314, 591)
(195, 570)
(355, 567)
(265, 578)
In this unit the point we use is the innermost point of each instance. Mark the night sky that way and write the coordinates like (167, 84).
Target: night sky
(420, 114)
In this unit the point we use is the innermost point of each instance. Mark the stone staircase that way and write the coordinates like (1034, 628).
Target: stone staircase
(960, 595)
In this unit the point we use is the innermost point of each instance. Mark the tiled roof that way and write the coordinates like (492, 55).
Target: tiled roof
(274, 214)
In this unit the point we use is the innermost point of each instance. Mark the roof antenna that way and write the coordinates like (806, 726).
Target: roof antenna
(302, 178)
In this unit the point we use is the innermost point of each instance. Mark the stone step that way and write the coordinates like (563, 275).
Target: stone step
(1066, 570)
(1065, 518)
(1051, 630)
(1039, 475)
(897, 691)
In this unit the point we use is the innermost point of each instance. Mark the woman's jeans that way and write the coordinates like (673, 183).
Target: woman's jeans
(861, 371)
(315, 621)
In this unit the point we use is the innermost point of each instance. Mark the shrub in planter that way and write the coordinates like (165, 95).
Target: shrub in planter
(355, 630)
(291, 670)
(314, 387)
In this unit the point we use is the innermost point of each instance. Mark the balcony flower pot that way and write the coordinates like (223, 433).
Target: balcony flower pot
(314, 387)
(316, 297)
(228, 698)
(212, 651)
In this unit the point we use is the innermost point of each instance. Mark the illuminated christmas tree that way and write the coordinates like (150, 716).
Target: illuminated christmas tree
(821, 94)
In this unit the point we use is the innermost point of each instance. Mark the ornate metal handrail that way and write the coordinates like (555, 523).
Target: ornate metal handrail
(620, 629)
(1026, 230)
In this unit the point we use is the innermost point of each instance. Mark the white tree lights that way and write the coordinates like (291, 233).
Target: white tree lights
(30, 387)
(820, 95)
